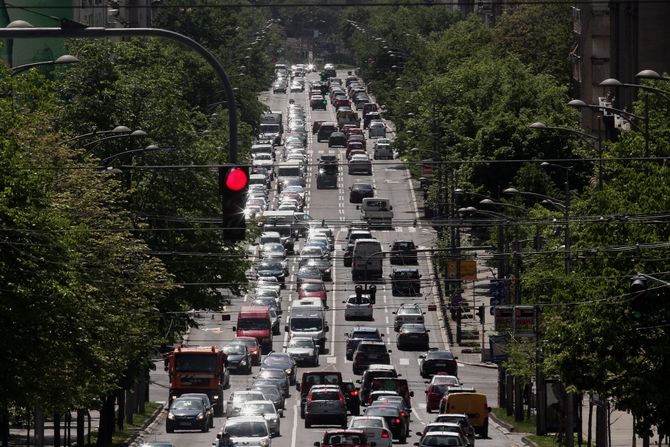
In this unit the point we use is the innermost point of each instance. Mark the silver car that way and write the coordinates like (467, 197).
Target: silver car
(250, 431)
(271, 392)
(303, 350)
(237, 400)
(358, 308)
(266, 409)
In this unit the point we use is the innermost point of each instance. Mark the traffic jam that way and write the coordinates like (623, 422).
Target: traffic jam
(334, 343)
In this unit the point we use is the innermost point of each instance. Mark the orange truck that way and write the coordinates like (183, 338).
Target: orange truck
(198, 370)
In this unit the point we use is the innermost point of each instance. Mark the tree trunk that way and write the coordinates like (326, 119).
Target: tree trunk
(509, 391)
(121, 399)
(4, 427)
(130, 404)
(80, 428)
(56, 430)
(518, 399)
(106, 428)
(39, 428)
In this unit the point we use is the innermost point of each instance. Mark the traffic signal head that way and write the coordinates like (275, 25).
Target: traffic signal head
(233, 186)
(638, 288)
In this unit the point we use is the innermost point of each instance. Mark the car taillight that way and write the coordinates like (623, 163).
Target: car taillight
(369, 306)
(385, 434)
(354, 393)
(396, 420)
(403, 414)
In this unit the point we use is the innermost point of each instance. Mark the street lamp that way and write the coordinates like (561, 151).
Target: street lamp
(117, 130)
(595, 140)
(131, 152)
(651, 74)
(612, 82)
(628, 115)
(61, 60)
(134, 134)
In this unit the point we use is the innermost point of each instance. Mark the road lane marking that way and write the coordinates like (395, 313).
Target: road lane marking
(404, 362)
(294, 430)
(331, 359)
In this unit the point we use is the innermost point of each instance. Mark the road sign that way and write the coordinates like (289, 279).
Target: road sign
(468, 269)
(521, 319)
(427, 168)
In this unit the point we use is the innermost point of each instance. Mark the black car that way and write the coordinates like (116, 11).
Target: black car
(326, 176)
(337, 139)
(272, 267)
(351, 395)
(413, 336)
(438, 362)
(403, 253)
(358, 334)
(187, 414)
(368, 353)
(359, 191)
(348, 255)
(281, 360)
(393, 419)
(239, 359)
(405, 281)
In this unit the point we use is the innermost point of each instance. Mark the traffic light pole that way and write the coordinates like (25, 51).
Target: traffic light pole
(74, 30)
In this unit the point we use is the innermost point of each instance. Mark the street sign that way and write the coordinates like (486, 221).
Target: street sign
(468, 269)
(520, 319)
(498, 347)
(427, 168)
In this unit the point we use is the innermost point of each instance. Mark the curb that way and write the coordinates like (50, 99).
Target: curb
(503, 424)
(526, 440)
(148, 427)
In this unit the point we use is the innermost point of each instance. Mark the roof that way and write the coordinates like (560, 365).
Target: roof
(253, 309)
(365, 329)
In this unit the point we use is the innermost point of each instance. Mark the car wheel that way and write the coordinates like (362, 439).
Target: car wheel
(344, 422)
(302, 412)
(403, 437)
(169, 429)
(205, 428)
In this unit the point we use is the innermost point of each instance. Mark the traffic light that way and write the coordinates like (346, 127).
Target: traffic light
(481, 314)
(638, 303)
(233, 186)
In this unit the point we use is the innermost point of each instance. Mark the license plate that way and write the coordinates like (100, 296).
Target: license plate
(440, 364)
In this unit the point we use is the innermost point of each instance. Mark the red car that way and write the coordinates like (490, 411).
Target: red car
(354, 146)
(313, 288)
(252, 346)
(338, 438)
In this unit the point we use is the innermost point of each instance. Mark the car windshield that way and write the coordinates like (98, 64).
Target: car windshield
(244, 397)
(313, 287)
(365, 334)
(301, 344)
(195, 362)
(409, 311)
(234, 349)
(184, 404)
(258, 324)
(372, 348)
(269, 128)
(306, 324)
(246, 429)
(251, 344)
(371, 422)
(272, 374)
(271, 392)
(258, 408)
(440, 440)
(382, 411)
(270, 265)
(277, 361)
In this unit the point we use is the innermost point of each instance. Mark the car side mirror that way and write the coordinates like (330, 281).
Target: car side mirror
(411, 394)
(416, 443)
(344, 302)
(488, 409)
(455, 357)
(286, 328)
(427, 330)
(389, 351)
(393, 313)
(390, 207)
(281, 413)
(218, 436)
(234, 328)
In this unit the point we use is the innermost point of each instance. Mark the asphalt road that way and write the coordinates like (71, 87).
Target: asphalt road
(391, 180)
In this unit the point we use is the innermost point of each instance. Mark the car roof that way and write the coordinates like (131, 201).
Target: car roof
(364, 329)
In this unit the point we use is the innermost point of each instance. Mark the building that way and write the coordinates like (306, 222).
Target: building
(616, 39)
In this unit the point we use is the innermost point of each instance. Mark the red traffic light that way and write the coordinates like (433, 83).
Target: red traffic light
(236, 180)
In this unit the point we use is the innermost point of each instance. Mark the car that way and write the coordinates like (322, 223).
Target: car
(297, 87)
(413, 335)
(375, 428)
(337, 139)
(252, 346)
(272, 267)
(312, 378)
(403, 253)
(238, 357)
(249, 431)
(324, 266)
(442, 438)
(279, 87)
(267, 410)
(446, 426)
(351, 395)
(303, 350)
(187, 414)
(358, 307)
(313, 288)
(358, 334)
(407, 313)
(360, 190)
(373, 372)
(442, 407)
(271, 392)
(283, 361)
(463, 420)
(238, 398)
(274, 375)
(205, 401)
(325, 403)
(271, 303)
(344, 438)
(308, 272)
(368, 353)
(435, 392)
(359, 163)
(405, 281)
(377, 129)
(438, 361)
(317, 102)
(393, 419)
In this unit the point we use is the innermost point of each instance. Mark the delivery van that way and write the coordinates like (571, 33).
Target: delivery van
(367, 259)
(376, 211)
(307, 322)
(254, 321)
(475, 406)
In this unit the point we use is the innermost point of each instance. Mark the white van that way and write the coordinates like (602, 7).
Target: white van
(307, 322)
(376, 210)
(367, 259)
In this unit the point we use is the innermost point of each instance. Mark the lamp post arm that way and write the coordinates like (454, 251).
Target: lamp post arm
(93, 32)
(106, 160)
(663, 93)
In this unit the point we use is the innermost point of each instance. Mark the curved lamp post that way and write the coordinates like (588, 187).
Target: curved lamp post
(61, 60)
(596, 141)
(117, 130)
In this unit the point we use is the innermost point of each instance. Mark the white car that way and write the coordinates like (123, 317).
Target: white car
(250, 431)
(358, 308)
(266, 409)
(238, 399)
(375, 428)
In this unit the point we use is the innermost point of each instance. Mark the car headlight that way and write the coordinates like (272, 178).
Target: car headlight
(170, 415)
(216, 397)
(288, 371)
(201, 416)
(243, 362)
(264, 442)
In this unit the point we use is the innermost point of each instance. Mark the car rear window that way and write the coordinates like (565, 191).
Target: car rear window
(372, 348)
(326, 395)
